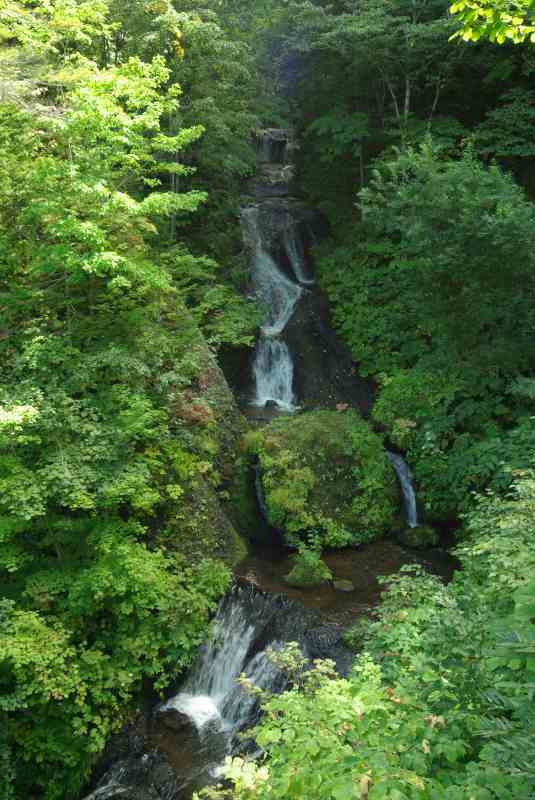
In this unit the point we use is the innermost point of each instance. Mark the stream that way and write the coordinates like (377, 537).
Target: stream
(177, 746)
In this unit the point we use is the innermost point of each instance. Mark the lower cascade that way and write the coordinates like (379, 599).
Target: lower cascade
(202, 720)
(211, 694)
(407, 487)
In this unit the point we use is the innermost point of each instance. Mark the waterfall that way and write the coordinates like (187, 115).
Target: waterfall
(211, 694)
(277, 293)
(272, 145)
(273, 367)
(270, 227)
(273, 372)
(407, 487)
(248, 622)
(294, 251)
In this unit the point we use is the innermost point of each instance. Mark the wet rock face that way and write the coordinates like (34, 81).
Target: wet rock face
(130, 769)
(325, 374)
(175, 720)
(276, 149)
(276, 145)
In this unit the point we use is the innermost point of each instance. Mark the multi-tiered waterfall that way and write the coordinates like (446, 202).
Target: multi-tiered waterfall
(186, 738)
(278, 267)
(279, 275)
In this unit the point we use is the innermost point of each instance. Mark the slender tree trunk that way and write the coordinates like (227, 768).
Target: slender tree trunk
(394, 100)
(435, 102)
(407, 103)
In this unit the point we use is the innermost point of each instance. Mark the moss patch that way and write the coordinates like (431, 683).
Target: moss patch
(326, 473)
(201, 529)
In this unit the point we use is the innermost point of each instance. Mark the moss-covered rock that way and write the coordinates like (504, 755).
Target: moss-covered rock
(308, 569)
(421, 536)
(211, 500)
(326, 473)
(343, 585)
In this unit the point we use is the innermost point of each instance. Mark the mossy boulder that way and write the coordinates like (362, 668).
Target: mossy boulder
(325, 473)
(419, 537)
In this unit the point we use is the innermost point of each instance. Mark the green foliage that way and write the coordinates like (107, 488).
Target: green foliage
(420, 536)
(116, 425)
(325, 473)
(308, 569)
(507, 131)
(499, 21)
(421, 295)
(68, 684)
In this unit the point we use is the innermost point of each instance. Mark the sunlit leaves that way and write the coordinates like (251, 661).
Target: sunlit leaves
(499, 21)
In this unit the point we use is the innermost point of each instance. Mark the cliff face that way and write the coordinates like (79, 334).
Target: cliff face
(217, 505)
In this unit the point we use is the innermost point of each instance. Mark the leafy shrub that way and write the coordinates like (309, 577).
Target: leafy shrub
(430, 290)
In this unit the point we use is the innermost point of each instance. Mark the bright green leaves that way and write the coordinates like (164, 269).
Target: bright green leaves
(71, 686)
(496, 20)
(99, 362)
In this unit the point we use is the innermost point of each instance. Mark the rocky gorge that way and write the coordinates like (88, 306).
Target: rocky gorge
(301, 394)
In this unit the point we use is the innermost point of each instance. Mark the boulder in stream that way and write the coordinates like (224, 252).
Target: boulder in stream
(175, 720)
(342, 585)
(326, 474)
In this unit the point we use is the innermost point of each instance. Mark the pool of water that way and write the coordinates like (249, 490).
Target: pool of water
(267, 565)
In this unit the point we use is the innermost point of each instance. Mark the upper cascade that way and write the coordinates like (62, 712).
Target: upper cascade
(271, 232)
(276, 145)
(275, 149)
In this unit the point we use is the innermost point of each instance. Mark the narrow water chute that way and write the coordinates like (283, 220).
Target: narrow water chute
(407, 488)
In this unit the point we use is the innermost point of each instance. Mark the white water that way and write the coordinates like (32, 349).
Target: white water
(273, 371)
(273, 367)
(211, 696)
(294, 251)
(407, 487)
(277, 293)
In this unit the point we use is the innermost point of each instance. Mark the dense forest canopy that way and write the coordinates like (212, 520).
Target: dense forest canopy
(127, 138)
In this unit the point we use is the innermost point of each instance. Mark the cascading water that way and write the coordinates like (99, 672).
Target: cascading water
(273, 367)
(277, 293)
(294, 251)
(248, 624)
(407, 487)
(273, 371)
(211, 694)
